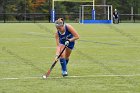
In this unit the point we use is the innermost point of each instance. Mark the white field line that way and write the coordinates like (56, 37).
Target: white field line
(85, 76)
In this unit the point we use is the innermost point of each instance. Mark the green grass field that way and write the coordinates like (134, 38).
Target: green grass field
(106, 59)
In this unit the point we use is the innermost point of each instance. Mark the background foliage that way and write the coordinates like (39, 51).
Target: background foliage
(11, 6)
(25, 9)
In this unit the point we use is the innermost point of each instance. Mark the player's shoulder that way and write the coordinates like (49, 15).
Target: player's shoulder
(68, 26)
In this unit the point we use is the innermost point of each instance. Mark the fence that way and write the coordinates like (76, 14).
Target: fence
(45, 17)
(133, 18)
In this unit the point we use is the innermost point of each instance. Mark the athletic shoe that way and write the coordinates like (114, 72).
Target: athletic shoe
(64, 73)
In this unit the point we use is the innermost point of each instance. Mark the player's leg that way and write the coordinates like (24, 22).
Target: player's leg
(63, 61)
(116, 19)
(65, 57)
(68, 51)
(67, 54)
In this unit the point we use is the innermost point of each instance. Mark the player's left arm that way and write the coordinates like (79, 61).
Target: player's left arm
(74, 32)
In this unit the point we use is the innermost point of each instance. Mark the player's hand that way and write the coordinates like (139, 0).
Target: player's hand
(56, 58)
(67, 42)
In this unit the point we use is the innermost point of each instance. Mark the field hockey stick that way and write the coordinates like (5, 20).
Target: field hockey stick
(54, 63)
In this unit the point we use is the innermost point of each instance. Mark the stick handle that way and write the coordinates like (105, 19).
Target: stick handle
(49, 71)
(61, 52)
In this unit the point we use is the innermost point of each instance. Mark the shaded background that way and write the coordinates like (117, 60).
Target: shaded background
(40, 10)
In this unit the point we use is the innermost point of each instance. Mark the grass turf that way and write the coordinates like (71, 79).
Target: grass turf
(105, 59)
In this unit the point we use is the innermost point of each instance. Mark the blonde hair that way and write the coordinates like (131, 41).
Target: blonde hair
(59, 22)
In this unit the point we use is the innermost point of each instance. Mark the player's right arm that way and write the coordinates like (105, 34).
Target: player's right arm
(57, 44)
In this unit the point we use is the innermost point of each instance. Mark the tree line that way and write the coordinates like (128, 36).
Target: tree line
(31, 6)
(25, 9)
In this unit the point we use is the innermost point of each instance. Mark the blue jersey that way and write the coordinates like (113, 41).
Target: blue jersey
(65, 36)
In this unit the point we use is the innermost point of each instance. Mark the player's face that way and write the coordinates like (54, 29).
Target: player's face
(60, 28)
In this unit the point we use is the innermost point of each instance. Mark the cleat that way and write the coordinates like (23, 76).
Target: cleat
(64, 73)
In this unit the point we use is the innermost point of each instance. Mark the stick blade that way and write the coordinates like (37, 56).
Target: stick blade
(46, 75)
